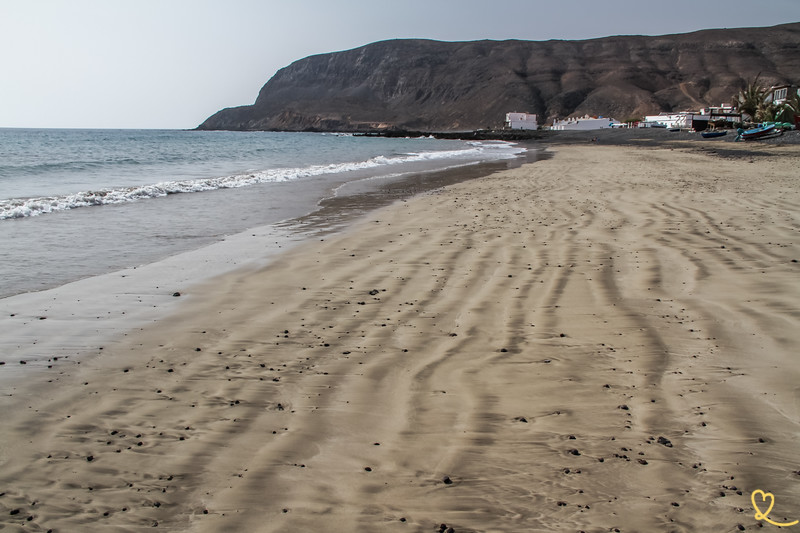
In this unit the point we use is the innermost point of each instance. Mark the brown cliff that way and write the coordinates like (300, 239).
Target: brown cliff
(442, 86)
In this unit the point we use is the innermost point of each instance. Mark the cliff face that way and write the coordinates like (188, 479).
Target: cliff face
(440, 86)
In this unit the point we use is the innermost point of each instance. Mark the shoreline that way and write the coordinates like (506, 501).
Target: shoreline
(84, 314)
(600, 340)
(609, 136)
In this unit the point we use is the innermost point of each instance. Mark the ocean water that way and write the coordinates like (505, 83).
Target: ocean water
(79, 203)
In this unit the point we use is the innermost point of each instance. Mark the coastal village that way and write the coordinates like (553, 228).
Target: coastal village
(775, 109)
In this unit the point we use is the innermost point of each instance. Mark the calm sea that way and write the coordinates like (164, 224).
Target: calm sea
(79, 203)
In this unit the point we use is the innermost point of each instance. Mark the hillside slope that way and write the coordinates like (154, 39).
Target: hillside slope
(440, 86)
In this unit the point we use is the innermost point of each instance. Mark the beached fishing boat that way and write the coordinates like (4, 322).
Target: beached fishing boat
(713, 134)
(757, 133)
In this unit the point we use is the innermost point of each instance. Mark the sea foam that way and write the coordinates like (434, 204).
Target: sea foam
(27, 207)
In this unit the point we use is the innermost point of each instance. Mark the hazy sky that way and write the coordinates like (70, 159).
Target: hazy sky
(172, 63)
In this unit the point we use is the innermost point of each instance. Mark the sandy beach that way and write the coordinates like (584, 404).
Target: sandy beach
(605, 340)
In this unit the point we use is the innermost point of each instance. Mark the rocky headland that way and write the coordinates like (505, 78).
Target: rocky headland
(428, 85)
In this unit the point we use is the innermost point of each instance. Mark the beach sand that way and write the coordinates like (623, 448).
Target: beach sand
(602, 341)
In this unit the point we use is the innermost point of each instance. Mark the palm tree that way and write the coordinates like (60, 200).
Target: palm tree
(769, 112)
(783, 112)
(750, 98)
(790, 107)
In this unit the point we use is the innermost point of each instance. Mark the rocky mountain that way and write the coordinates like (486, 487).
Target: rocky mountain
(444, 86)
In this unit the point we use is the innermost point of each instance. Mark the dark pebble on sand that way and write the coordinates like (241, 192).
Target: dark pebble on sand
(90, 458)
(623, 407)
(504, 350)
(176, 294)
(447, 481)
(368, 469)
(14, 512)
(665, 441)
(574, 451)
(373, 292)
(642, 462)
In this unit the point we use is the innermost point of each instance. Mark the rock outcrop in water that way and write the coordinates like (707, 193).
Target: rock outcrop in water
(441, 86)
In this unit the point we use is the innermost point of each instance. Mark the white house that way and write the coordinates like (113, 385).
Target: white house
(521, 121)
(669, 120)
(697, 120)
(585, 123)
(780, 93)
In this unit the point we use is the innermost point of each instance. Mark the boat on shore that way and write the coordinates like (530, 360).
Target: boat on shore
(713, 134)
(765, 130)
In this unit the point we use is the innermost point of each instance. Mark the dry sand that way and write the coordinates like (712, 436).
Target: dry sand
(603, 341)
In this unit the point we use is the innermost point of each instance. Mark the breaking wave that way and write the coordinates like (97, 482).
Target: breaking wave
(27, 207)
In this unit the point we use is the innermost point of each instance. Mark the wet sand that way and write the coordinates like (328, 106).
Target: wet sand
(605, 340)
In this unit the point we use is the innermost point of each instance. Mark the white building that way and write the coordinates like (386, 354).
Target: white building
(668, 120)
(780, 93)
(586, 123)
(521, 121)
(697, 120)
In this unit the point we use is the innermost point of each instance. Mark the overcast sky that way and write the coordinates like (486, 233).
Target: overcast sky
(172, 63)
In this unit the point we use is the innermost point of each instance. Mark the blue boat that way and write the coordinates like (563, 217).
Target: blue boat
(757, 133)
(713, 134)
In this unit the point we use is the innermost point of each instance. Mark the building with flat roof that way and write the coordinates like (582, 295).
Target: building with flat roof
(521, 121)
(586, 123)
